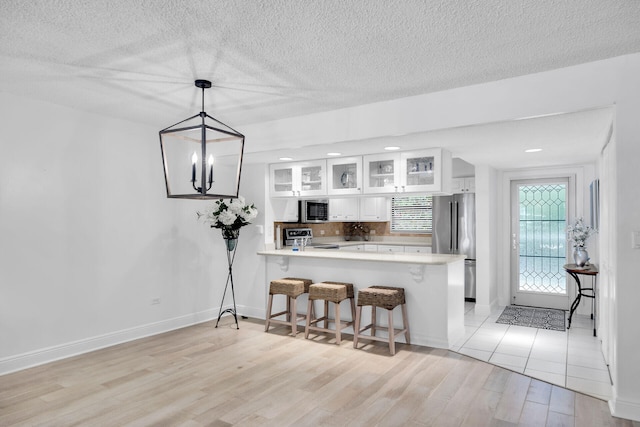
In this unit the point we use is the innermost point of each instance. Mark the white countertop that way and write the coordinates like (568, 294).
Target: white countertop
(397, 257)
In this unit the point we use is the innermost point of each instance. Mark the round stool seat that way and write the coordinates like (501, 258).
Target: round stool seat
(381, 296)
(328, 291)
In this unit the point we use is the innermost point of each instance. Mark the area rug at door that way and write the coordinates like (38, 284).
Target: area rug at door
(543, 318)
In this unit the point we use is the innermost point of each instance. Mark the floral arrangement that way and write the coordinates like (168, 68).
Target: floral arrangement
(229, 215)
(578, 233)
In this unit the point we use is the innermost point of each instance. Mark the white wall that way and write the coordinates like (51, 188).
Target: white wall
(88, 237)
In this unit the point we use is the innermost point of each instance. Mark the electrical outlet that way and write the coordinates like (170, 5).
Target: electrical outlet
(337, 232)
(322, 232)
(155, 301)
(372, 232)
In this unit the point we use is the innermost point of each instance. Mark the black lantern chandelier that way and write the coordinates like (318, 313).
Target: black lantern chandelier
(202, 156)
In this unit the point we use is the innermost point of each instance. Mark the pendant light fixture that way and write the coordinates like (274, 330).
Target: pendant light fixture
(202, 156)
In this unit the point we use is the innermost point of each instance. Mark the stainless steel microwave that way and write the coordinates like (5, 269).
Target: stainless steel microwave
(314, 210)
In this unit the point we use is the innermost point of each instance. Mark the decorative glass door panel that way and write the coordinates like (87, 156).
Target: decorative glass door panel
(539, 220)
(344, 175)
(382, 174)
(419, 171)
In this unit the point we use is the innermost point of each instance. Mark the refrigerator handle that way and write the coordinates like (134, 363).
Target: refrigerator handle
(451, 225)
(455, 218)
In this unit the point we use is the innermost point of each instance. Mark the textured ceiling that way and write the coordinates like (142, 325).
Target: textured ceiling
(281, 58)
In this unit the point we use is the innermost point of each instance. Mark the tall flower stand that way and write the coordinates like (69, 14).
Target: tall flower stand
(231, 243)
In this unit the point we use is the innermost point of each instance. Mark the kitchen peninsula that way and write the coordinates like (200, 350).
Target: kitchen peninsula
(434, 284)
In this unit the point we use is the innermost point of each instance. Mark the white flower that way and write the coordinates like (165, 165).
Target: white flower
(578, 233)
(227, 217)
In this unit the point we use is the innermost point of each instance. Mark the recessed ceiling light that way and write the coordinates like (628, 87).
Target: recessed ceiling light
(334, 154)
(286, 158)
(533, 150)
(391, 148)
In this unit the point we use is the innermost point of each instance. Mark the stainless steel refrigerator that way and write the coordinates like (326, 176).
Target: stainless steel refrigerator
(454, 232)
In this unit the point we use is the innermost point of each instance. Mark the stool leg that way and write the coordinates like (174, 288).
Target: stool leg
(294, 316)
(405, 321)
(356, 328)
(353, 310)
(309, 311)
(392, 338)
(373, 320)
(288, 316)
(338, 325)
(268, 320)
(326, 314)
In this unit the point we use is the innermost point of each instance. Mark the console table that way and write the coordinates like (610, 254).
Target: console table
(575, 272)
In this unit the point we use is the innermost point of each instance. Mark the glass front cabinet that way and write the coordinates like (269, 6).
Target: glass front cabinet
(344, 176)
(300, 179)
(424, 171)
(382, 173)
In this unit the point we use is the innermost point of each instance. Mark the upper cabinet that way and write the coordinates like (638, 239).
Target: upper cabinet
(424, 171)
(344, 176)
(463, 185)
(382, 173)
(298, 179)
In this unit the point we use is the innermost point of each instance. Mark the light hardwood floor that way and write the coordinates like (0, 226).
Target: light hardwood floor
(202, 376)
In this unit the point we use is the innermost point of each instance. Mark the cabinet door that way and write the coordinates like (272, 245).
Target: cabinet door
(313, 177)
(390, 248)
(368, 247)
(344, 175)
(426, 171)
(284, 180)
(352, 248)
(381, 173)
(374, 209)
(463, 185)
(418, 249)
(343, 209)
(285, 210)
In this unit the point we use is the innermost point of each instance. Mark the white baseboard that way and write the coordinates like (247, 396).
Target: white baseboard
(624, 409)
(50, 354)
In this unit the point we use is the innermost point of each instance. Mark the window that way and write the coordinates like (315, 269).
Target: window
(411, 214)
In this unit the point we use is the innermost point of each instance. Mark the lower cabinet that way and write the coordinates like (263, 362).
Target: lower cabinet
(390, 248)
(418, 249)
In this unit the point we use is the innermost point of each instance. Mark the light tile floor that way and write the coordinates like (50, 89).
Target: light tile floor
(572, 359)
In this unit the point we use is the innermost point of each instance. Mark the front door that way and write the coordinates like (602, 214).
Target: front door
(538, 243)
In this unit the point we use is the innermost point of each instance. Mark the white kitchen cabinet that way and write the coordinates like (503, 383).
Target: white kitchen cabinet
(344, 176)
(374, 209)
(343, 209)
(368, 247)
(390, 248)
(426, 171)
(381, 173)
(418, 249)
(285, 210)
(463, 185)
(299, 179)
(352, 248)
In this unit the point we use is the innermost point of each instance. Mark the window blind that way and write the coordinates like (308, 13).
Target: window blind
(412, 214)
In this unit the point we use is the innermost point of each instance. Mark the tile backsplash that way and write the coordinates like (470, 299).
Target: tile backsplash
(340, 229)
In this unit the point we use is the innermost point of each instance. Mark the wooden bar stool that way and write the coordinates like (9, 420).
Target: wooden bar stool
(386, 297)
(334, 292)
(292, 288)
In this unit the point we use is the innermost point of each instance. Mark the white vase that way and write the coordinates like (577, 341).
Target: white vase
(580, 256)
